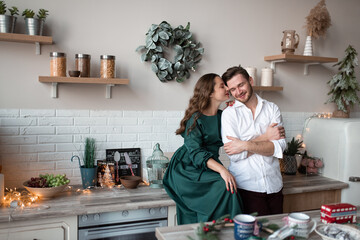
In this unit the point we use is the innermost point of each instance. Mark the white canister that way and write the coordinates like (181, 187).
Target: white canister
(2, 189)
(252, 73)
(266, 77)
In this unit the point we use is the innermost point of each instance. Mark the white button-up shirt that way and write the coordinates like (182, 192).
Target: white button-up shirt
(256, 173)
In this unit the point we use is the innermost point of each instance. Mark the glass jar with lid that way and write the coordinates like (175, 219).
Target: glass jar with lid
(82, 64)
(156, 167)
(107, 66)
(58, 64)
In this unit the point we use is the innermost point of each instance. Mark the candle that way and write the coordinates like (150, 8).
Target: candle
(252, 73)
(267, 77)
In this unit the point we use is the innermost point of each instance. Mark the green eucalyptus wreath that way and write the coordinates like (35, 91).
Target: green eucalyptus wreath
(187, 51)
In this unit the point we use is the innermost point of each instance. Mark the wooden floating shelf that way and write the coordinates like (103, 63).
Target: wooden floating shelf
(308, 60)
(48, 79)
(109, 82)
(300, 58)
(24, 38)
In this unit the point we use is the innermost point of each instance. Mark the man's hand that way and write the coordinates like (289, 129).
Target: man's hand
(274, 132)
(235, 146)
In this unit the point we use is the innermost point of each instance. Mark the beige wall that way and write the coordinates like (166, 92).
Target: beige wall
(231, 31)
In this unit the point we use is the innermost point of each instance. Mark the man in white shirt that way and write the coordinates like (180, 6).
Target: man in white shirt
(253, 138)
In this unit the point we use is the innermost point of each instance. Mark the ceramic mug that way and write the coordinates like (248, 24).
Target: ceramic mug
(245, 226)
(301, 223)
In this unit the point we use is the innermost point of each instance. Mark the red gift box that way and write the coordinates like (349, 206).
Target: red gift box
(338, 213)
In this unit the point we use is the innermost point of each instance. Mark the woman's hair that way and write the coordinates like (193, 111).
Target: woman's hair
(199, 101)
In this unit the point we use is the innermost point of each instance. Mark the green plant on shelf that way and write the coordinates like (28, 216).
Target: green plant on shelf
(14, 11)
(28, 13)
(42, 14)
(2, 7)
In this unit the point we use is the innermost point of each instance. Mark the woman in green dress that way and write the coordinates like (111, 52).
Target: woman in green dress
(196, 180)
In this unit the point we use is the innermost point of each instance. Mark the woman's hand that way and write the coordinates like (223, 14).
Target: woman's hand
(235, 146)
(274, 132)
(229, 180)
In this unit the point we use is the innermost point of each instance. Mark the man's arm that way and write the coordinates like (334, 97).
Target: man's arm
(272, 143)
(229, 127)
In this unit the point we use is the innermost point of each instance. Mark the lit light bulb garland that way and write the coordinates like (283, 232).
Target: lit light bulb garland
(15, 198)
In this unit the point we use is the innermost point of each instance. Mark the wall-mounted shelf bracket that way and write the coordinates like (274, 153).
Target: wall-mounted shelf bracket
(37, 48)
(273, 64)
(306, 67)
(108, 90)
(54, 90)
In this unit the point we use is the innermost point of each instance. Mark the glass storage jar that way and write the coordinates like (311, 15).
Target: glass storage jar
(82, 64)
(107, 66)
(58, 64)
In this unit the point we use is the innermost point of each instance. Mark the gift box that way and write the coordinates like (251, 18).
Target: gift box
(338, 213)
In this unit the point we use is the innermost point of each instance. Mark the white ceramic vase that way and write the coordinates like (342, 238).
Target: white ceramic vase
(308, 50)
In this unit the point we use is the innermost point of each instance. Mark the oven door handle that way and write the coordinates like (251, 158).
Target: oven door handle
(120, 229)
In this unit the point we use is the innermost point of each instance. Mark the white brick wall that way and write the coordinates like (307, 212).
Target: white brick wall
(42, 141)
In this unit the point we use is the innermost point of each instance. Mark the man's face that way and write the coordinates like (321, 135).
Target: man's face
(240, 88)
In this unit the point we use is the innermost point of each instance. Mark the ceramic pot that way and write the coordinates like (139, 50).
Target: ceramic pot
(34, 26)
(289, 165)
(88, 176)
(7, 23)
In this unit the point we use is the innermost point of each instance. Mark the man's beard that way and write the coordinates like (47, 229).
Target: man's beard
(250, 93)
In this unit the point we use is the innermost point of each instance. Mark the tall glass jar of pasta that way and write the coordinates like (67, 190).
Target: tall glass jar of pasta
(58, 64)
(107, 66)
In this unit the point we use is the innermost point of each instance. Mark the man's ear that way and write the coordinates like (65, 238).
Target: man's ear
(251, 80)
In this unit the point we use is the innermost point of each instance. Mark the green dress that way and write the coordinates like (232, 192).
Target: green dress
(199, 192)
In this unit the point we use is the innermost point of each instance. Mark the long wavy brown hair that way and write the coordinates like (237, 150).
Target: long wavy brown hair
(199, 101)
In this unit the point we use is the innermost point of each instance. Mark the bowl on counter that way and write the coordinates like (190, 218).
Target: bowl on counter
(330, 231)
(74, 73)
(130, 181)
(45, 193)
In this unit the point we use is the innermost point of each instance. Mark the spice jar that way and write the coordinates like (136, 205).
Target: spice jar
(107, 66)
(58, 64)
(82, 64)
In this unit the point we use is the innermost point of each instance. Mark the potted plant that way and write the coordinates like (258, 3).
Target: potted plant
(344, 85)
(7, 22)
(317, 23)
(88, 170)
(289, 160)
(34, 26)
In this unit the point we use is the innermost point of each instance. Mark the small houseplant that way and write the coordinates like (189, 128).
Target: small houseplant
(34, 26)
(344, 85)
(7, 22)
(289, 160)
(88, 170)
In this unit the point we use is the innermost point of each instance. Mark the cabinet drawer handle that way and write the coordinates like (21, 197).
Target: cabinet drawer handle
(354, 179)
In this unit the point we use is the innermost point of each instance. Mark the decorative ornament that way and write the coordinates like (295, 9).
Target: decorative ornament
(209, 231)
(188, 52)
(317, 23)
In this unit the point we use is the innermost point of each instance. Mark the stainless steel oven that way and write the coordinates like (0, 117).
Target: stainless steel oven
(125, 225)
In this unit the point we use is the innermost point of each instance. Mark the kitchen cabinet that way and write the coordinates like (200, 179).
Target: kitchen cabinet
(24, 38)
(41, 229)
(109, 82)
(307, 60)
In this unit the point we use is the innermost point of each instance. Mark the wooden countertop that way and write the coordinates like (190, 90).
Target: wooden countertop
(183, 231)
(301, 183)
(73, 202)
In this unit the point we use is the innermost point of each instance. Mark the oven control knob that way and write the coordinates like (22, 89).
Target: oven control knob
(84, 218)
(152, 211)
(97, 217)
(125, 213)
(163, 210)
